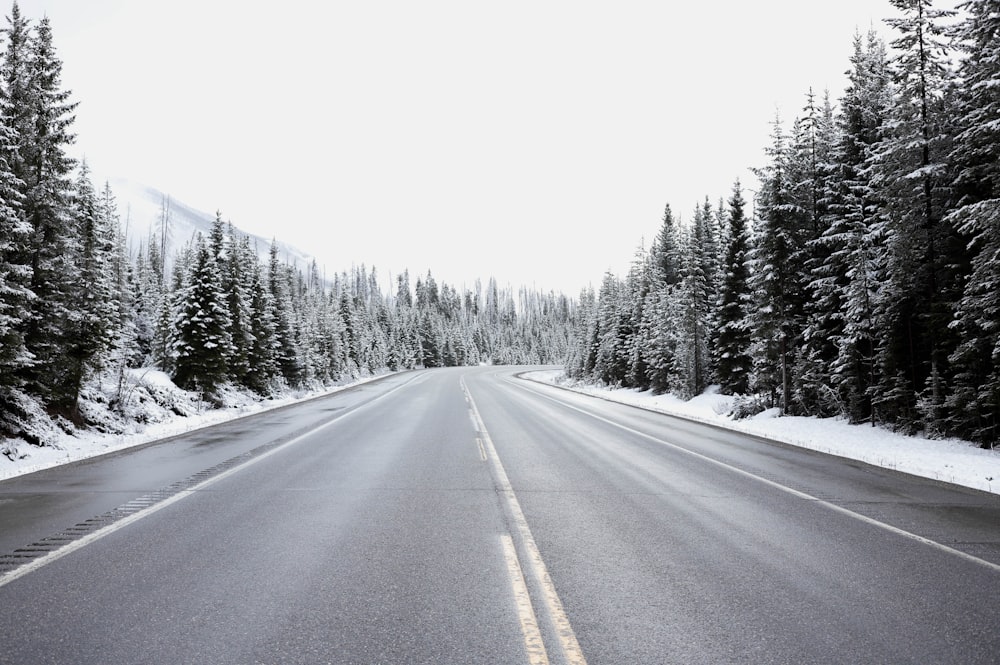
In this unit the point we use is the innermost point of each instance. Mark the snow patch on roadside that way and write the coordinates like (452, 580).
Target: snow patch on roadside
(142, 407)
(948, 460)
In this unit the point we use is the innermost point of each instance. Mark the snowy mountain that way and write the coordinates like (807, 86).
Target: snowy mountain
(141, 207)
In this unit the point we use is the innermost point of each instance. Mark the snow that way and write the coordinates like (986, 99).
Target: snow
(948, 460)
(156, 409)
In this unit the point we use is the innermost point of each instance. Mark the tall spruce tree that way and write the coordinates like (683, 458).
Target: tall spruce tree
(202, 342)
(240, 264)
(813, 147)
(779, 276)
(694, 300)
(15, 267)
(974, 403)
(733, 337)
(660, 335)
(286, 350)
(846, 280)
(43, 139)
(93, 322)
(912, 175)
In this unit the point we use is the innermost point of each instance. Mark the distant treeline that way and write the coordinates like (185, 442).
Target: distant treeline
(75, 304)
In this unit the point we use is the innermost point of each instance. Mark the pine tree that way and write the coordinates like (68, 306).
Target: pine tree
(262, 371)
(779, 276)
(612, 326)
(975, 400)
(202, 342)
(812, 178)
(92, 324)
(733, 340)
(284, 318)
(43, 136)
(911, 174)
(580, 363)
(694, 296)
(123, 344)
(848, 254)
(659, 334)
(15, 268)
(430, 339)
(636, 291)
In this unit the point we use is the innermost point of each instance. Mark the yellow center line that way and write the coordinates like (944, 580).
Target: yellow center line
(535, 565)
(529, 624)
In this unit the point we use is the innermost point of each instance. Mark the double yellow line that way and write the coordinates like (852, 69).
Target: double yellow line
(520, 538)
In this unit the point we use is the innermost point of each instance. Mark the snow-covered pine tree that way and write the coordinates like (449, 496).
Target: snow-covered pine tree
(279, 285)
(848, 253)
(659, 332)
(240, 264)
(778, 274)
(582, 356)
(636, 290)
(911, 173)
(263, 375)
(974, 402)
(15, 266)
(92, 324)
(40, 121)
(612, 351)
(148, 302)
(733, 337)
(430, 334)
(124, 344)
(351, 331)
(693, 299)
(811, 175)
(202, 342)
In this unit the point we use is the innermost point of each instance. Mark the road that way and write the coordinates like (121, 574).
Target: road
(468, 516)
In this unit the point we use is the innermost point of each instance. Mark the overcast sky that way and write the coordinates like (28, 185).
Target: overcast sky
(536, 141)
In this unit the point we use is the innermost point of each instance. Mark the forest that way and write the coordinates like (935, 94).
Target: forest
(864, 282)
(78, 305)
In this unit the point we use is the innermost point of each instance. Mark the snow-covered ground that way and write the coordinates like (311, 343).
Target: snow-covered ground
(950, 460)
(156, 409)
(159, 409)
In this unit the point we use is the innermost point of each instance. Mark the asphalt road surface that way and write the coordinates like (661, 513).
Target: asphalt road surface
(469, 516)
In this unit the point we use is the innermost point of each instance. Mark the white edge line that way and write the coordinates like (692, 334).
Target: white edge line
(784, 488)
(69, 548)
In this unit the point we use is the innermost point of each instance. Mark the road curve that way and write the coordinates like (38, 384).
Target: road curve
(468, 516)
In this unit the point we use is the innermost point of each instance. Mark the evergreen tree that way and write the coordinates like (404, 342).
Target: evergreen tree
(612, 325)
(43, 136)
(733, 341)
(636, 291)
(286, 350)
(657, 324)
(846, 277)
(813, 186)
(921, 287)
(779, 276)
(974, 403)
(430, 339)
(202, 341)
(15, 268)
(694, 301)
(93, 322)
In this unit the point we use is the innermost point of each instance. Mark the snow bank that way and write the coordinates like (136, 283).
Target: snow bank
(949, 460)
(147, 406)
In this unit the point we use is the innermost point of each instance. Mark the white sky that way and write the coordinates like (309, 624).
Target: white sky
(536, 141)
